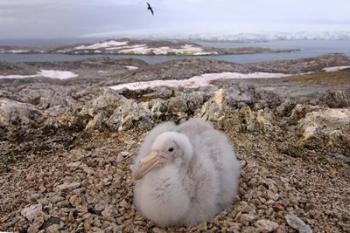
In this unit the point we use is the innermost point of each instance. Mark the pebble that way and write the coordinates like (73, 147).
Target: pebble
(68, 186)
(53, 228)
(74, 164)
(100, 206)
(31, 212)
(247, 218)
(265, 225)
(56, 198)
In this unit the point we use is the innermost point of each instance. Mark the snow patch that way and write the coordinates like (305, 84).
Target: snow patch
(17, 76)
(16, 51)
(101, 45)
(123, 47)
(335, 68)
(54, 74)
(186, 49)
(58, 74)
(197, 81)
(131, 67)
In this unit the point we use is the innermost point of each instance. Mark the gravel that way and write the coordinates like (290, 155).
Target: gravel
(89, 188)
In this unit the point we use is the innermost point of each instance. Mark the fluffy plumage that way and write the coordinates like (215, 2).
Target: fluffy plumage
(185, 174)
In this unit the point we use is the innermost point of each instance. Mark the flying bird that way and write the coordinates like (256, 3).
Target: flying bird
(150, 8)
(184, 174)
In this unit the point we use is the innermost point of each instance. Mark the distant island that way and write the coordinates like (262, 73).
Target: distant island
(141, 47)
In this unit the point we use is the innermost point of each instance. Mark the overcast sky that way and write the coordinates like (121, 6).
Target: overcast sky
(76, 18)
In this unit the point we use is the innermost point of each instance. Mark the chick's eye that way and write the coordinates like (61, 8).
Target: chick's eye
(170, 149)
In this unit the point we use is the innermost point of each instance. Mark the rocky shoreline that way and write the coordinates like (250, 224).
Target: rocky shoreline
(141, 47)
(67, 144)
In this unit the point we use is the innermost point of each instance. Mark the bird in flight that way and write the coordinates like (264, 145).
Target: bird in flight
(150, 8)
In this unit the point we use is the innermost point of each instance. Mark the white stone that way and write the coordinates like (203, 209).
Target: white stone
(296, 223)
(31, 212)
(265, 225)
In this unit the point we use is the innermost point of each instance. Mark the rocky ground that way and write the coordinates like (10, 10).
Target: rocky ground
(67, 146)
(88, 71)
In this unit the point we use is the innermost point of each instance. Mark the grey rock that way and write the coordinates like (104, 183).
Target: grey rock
(344, 158)
(16, 113)
(247, 218)
(269, 96)
(300, 110)
(177, 106)
(160, 93)
(107, 100)
(68, 186)
(129, 115)
(159, 110)
(214, 108)
(265, 225)
(330, 123)
(110, 213)
(336, 99)
(296, 223)
(100, 206)
(238, 95)
(32, 212)
(43, 95)
(54, 228)
(97, 122)
(285, 108)
(194, 100)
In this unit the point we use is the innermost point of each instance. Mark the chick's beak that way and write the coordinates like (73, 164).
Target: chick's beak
(151, 161)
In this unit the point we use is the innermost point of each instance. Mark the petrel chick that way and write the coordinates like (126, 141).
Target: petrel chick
(185, 174)
(150, 8)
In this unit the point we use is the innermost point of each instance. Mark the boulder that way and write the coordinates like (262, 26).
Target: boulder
(195, 101)
(332, 124)
(285, 109)
(177, 107)
(159, 110)
(251, 121)
(106, 101)
(130, 114)
(214, 108)
(97, 122)
(300, 111)
(17, 114)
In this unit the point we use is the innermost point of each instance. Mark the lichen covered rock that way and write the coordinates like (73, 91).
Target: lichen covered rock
(13, 113)
(333, 125)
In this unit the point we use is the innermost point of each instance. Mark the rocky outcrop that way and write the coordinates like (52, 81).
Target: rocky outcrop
(105, 109)
(337, 99)
(302, 65)
(331, 125)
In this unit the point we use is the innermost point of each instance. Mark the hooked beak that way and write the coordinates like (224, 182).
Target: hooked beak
(148, 163)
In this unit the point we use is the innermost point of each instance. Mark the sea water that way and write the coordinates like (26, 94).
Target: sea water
(306, 48)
